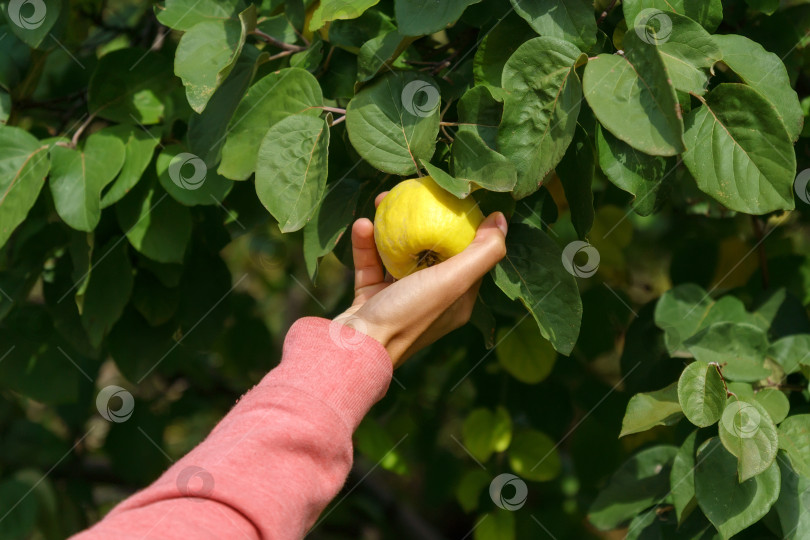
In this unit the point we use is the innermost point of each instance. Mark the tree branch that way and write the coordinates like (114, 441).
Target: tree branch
(278, 43)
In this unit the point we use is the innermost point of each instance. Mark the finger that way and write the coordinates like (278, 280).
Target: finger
(368, 268)
(379, 198)
(458, 274)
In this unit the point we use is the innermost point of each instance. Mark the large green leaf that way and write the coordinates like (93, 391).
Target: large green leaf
(739, 151)
(738, 347)
(637, 173)
(381, 51)
(497, 46)
(524, 353)
(632, 96)
(649, 409)
(184, 14)
(108, 289)
(291, 169)
(765, 72)
(480, 111)
(155, 225)
(394, 121)
(78, 177)
(24, 165)
(271, 99)
(420, 17)
(474, 161)
(729, 504)
(130, 85)
(688, 52)
(333, 10)
(33, 22)
(207, 53)
(576, 172)
(139, 146)
(794, 438)
(682, 478)
(571, 20)
(329, 223)
(485, 432)
(641, 482)
(532, 272)
(747, 431)
(542, 101)
(793, 502)
(775, 403)
(185, 177)
(791, 352)
(701, 393)
(533, 456)
(709, 13)
(681, 312)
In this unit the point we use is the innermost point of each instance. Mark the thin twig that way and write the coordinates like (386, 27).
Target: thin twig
(338, 121)
(605, 13)
(278, 43)
(332, 109)
(75, 140)
(282, 54)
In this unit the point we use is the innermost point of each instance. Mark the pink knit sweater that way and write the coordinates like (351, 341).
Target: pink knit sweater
(273, 463)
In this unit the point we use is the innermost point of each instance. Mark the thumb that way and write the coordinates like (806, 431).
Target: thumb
(488, 247)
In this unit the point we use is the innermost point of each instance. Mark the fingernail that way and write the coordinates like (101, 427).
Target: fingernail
(500, 221)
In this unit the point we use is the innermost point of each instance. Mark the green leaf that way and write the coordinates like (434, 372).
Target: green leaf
(20, 511)
(268, 101)
(32, 22)
(739, 151)
(533, 456)
(130, 84)
(139, 146)
(793, 502)
(329, 223)
(380, 51)
(682, 478)
(791, 352)
(541, 104)
(186, 178)
(351, 35)
(333, 10)
(532, 272)
(156, 302)
(632, 97)
(377, 445)
(681, 312)
(184, 14)
(474, 161)
(524, 352)
(393, 122)
(469, 488)
(421, 17)
(688, 52)
(24, 165)
(701, 393)
(637, 173)
(571, 20)
(641, 482)
(78, 177)
(576, 172)
(291, 169)
(764, 72)
(709, 13)
(731, 505)
(747, 431)
(155, 225)
(497, 46)
(650, 409)
(497, 525)
(775, 403)
(207, 53)
(480, 111)
(108, 290)
(794, 438)
(738, 347)
(5, 107)
(458, 187)
(485, 432)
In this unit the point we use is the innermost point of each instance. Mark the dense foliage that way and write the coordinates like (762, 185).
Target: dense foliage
(175, 185)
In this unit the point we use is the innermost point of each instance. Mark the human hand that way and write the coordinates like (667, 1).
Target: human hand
(413, 312)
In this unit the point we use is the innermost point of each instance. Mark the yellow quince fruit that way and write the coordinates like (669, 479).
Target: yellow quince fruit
(419, 224)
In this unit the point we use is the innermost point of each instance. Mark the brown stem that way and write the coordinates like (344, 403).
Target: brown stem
(763, 257)
(278, 43)
(338, 121)
(282, 54)
(75, 140)
(605, 13)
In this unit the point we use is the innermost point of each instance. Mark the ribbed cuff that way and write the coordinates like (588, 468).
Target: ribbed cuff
(344, 368)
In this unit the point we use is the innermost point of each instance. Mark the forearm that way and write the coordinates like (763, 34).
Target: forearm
(276, 460)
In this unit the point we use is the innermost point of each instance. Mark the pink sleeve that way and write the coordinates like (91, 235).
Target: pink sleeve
(273, 463)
